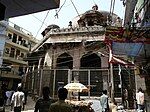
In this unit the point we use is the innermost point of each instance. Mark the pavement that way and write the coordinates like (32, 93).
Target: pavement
(29, 107)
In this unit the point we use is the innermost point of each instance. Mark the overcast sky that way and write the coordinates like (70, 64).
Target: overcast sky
(33, 22)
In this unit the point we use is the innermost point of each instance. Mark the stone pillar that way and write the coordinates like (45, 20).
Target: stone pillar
(48, 59)
(76, 59)
(76, 63)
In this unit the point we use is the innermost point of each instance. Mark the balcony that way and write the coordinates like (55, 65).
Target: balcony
(15, 60)
(9, 72)
(17, 45)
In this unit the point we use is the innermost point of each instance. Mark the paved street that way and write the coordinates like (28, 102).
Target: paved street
(28, 108)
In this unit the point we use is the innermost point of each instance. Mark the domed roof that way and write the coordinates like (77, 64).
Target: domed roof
(52, 26)
(95, 17)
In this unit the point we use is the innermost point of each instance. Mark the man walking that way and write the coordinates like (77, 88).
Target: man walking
(104, 101)
(61, 105)
(43, 103)
(17, 100)
(140, 100)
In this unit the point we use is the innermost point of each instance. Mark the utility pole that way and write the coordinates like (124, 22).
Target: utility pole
(112, 82)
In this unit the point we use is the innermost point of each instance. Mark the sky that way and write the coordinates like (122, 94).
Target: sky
(37, 22)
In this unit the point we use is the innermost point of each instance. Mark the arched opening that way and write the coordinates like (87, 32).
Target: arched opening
(90, 23)
(64, 61)
(91, 61)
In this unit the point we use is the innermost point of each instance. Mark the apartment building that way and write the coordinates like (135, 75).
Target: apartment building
(17, 42)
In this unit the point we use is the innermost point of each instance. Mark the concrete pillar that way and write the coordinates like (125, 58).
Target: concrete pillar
(76, 63)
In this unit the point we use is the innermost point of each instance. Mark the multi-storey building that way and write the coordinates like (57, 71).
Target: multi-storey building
(137, 16)
(17, 42)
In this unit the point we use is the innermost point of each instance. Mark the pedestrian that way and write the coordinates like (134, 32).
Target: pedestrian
(43, 103)
(61, 105)
(26, 94)
(17, 100)
(140, 100)
(3, 96)
(104, 101)
(8, 94)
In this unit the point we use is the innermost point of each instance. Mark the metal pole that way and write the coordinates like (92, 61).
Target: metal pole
(69, 76)
(41, 80)
(112, 82)
(54, 83)
(120, 81)
(89, 82)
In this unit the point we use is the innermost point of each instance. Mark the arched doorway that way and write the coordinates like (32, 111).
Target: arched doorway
(64, 61)
(91, 62)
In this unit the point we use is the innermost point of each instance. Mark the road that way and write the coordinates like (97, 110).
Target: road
(28, 108)
(30, 105)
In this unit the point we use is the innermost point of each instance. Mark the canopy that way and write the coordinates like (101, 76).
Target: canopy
(76, 87)
(129, 49)
(13, 8)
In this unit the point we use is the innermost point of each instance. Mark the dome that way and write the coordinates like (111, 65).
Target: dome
(52, 26)
(96, 17)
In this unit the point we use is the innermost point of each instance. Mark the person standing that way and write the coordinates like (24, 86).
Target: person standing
(8, 94)
(43, 103)
(17, 100)
(104, 101)
(140, 100)
(3, 96)
(61, 105)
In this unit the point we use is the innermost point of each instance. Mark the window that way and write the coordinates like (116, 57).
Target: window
(10, 36)
(14, 38)
(21, 72)
(17, 53)
(7, 50)
(22, 55)
(90, 23)
(20, 40)
(12, 52)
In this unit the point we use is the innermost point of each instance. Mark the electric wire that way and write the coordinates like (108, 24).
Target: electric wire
(75, 8)
(42, 23)
(60, 9)
(113, 7)
(27, 11)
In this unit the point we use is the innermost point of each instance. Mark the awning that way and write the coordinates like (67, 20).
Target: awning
(13, 8)
(129, 49)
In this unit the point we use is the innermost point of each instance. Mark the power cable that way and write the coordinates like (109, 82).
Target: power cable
(42, 23)
(59, 9)
(75, 8)
(94, 2)
(27, 11)
(113, 7)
